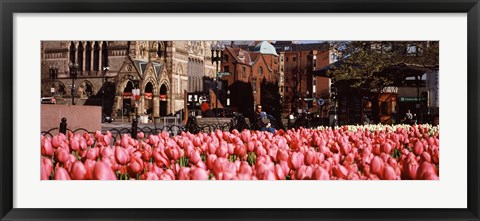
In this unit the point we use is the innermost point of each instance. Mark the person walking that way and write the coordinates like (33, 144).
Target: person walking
(408, 118)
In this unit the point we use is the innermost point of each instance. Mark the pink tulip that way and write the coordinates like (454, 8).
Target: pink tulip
(222, 151)
(240, 150)
(304, 173)
(195, 157)
(61, 174)
(62, 155)
(320, 174)
(92, 153)
(89, 166)
(149, 176)
(211, 160)
(121, 155)
(135, 166)
(340, 171)
(310, 157)
(376, 165)
(47, 149)
(426, 157)
(74, 143)
(78, 171)
(282, 155)
(57, 141)
(184, 173)
(426, 170)
(280, 175)
(296, 160)
(46, 168)
(250, 146)
(197, 173)
(387, 148)
(102, 171)
(389, 173)
(106, 152)
(418, 148)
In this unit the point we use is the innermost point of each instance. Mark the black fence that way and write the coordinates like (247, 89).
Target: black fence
(238, 122)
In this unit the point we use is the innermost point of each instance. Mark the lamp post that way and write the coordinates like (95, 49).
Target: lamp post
(307, 99)
(228, 98)
(217, 54)
(333, 110)
(53, 76)
(73, 76)
(136, 97)
(105, 69)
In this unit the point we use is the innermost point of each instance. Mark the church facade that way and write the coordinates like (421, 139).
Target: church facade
(149, 77)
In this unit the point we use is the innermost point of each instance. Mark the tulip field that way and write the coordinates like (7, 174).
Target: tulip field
(372, 152)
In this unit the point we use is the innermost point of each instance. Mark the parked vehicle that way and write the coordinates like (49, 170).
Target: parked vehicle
(48, 100)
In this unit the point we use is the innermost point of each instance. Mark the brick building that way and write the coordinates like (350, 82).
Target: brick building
(298, 85)
(251, 65)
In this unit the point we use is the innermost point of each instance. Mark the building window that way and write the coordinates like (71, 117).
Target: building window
(254, 85)
(226, 68)
(286, 59)
(225, 58)
(88, 56)
(72, 52)
(294, 58)
(80, 57)
(190, 79)
(244, 72)
(260, 70)
(412, 50)
(334, 57)
(96, 56)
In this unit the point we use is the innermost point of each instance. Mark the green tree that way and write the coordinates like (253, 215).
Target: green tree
(372, 65)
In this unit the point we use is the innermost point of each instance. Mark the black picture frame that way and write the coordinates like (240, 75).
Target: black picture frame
(10, 7)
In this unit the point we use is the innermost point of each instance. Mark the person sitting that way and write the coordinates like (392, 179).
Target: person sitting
(261, 118)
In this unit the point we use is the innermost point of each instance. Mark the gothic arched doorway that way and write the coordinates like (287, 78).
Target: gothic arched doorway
(148, 105)
(163, 100)
(127, 99)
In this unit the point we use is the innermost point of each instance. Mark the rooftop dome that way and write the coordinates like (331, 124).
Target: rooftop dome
(265, 48)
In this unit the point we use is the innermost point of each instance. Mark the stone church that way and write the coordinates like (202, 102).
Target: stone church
(159, 70)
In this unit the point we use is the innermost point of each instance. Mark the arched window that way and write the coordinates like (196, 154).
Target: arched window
(96, 56)
(72, 52)
(88, 56)
(105, 54)
(190, 80)
(80, 57)
(260, 70)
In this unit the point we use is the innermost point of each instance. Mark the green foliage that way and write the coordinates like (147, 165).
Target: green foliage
(371, 65)
(396, 153)
(183, 161)
(251, 158)
(232, 158)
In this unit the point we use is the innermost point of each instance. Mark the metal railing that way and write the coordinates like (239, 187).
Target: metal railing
(238, 122)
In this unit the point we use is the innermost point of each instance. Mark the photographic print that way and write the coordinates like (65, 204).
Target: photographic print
(240, 110)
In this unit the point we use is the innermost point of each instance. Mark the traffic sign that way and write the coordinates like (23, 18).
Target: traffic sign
(321, 102)
(221, 74)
